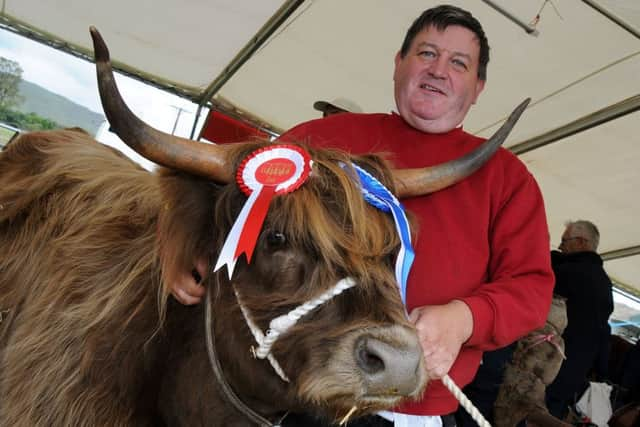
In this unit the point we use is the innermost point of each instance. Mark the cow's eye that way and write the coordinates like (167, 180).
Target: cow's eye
(390, 259)
(276, 239)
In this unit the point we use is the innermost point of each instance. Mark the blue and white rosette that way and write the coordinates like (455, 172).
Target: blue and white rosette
(377, 195)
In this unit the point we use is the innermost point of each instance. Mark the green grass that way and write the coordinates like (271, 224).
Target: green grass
(5, 135)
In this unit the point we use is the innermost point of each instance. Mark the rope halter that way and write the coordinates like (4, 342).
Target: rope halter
(281, 324)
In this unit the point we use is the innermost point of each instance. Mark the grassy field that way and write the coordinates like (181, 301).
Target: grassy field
(5, 135)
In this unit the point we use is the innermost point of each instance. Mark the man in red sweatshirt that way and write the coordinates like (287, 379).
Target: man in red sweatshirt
(482, 276)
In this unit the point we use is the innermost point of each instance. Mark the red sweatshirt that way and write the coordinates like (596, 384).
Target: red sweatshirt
(484, 240)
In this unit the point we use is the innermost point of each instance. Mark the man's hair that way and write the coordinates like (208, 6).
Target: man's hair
(587, 230)
(442, 17)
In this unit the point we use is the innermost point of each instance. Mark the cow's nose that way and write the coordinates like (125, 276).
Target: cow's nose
(390, 367)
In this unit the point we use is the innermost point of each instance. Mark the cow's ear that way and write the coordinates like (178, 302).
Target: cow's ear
(377, 166)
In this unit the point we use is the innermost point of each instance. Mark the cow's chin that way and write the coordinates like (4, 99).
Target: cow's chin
(338, 406)
(339, 385)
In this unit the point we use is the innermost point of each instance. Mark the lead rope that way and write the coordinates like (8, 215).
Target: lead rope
(222, 382)
(464, 401)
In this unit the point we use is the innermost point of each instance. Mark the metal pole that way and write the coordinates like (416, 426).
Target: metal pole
(528, 28)
(622, 108)
(620, 253)
(612, 17)
(248, 50)
(175, 124)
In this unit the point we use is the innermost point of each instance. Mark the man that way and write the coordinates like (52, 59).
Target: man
(481, 277)
(337, 106)
(581, 279)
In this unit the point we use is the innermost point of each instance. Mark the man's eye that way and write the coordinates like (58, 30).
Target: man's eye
(427, 54)
(460, 64)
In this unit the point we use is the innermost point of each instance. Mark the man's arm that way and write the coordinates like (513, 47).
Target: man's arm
(517, 298)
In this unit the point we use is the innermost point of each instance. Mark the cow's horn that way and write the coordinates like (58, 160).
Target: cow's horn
(208, 160)
(420, 181)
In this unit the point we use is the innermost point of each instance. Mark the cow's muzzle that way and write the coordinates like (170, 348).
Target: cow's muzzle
(390, 362)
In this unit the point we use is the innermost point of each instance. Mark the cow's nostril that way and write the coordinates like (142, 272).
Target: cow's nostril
(389, 361)
(368, 360)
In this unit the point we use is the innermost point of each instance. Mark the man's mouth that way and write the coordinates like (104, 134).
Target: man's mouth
(431, 88)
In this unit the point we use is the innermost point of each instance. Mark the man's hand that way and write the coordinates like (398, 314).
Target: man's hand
(187, 288)
(442, 329)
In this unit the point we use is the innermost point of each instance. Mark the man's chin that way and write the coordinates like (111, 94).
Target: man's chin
(431, 123)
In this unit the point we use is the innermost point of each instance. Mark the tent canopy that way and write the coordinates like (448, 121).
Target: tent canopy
(270, 60)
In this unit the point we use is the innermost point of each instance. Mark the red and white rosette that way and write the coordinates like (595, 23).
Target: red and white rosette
(277, 169)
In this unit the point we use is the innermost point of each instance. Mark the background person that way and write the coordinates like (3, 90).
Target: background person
(337, 106)
(581, 279)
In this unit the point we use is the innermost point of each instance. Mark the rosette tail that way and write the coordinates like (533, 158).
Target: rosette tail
(421, 181)
(207, 160)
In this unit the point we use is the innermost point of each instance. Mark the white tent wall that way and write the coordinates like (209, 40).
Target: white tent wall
(180, 44)
(580, 62)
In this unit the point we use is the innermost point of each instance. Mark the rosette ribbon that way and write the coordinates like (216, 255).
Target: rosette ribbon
(377, 195)
(272, 170)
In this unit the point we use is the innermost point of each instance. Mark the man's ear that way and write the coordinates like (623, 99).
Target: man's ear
(479, 89)
(396, 61)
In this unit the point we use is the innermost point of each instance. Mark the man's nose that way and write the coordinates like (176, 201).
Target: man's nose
(438, 67)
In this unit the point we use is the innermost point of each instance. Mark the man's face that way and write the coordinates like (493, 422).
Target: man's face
(437, 81)
(572, 241)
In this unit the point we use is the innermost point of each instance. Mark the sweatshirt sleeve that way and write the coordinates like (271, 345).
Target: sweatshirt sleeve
(518, 296)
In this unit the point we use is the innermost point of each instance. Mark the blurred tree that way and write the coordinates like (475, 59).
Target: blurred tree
(10, 78)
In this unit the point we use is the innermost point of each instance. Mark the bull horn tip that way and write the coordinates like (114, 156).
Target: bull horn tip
(515, 114)
(100, 49)
(525, 103)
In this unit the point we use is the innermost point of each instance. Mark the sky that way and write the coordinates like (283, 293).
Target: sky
(74, 78)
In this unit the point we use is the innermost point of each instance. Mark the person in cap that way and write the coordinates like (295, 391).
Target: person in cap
(338, 105)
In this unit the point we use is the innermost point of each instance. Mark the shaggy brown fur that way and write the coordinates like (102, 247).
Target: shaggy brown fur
(92, 338)
(535, 365)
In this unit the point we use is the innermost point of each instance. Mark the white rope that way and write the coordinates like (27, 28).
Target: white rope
(259, 337)
(465, 402)
(282, 324)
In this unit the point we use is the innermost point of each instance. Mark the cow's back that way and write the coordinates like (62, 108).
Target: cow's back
(78, 264)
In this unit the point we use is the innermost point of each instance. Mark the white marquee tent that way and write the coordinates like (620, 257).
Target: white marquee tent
(269, 60)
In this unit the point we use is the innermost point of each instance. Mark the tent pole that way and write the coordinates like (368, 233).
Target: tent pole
(620, 253)
(622, 108)
(246, 52)
(195, 120)
(526, 27)
(250, 48)
(612, 17)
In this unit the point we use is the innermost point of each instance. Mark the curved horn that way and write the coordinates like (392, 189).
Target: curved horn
(421, 181)
(208, 160)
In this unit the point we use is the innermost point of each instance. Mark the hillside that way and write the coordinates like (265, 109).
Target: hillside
(54, 107)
